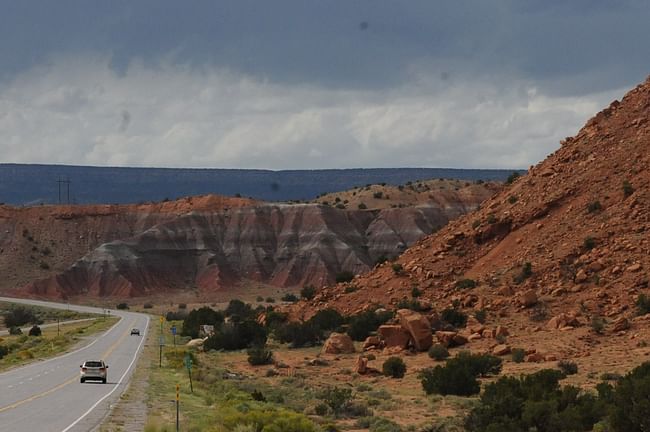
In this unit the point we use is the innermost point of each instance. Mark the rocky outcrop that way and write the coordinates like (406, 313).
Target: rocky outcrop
(418, 327)
(338, 343)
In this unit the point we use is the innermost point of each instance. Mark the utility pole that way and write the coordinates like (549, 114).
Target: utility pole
(67, 182)
(58, 326)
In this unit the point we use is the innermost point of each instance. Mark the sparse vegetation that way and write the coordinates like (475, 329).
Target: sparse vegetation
(415, 292)
(397, 268)
(643, 304)
(438, 352)
(453, 317)
(198, 317)
(594, 206)
(458, 376)
(344, 276)
(512, 199)
(568, 367)
(512, 177)
(525, 272)
(627, 188)
(394, 367)
(597, 324)
(589, 243)
(289, 297)
(466, 284)
(360, 326)
(35, 331)
(308, 292)
(259, 355)
(518, 355)
(122, 306)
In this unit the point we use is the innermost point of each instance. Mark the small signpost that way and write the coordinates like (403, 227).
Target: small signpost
(178, 399)
(174, 333)
(188, 365)
(162, 341)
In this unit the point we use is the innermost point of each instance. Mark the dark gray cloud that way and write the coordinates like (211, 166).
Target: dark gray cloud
(307, 84)
(325, 42)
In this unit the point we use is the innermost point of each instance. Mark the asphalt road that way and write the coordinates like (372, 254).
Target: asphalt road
(47, 395)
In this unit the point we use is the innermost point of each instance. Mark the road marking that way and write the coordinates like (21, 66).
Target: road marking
(135, 356)
(66, 354)
(74, 378)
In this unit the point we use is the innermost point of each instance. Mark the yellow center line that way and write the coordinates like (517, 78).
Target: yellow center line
(69, 381)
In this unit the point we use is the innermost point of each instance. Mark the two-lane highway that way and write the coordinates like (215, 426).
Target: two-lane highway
(47, 395)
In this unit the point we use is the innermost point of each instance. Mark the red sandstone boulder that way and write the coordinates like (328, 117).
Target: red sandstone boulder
(338, 343)
(393, 336)
(418, 327)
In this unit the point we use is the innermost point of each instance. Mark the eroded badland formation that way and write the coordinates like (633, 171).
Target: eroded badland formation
(197, 246)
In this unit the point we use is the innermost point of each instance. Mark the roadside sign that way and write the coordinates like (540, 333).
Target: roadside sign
(188, 362)
(162, 340)
(161, 319)
(174, 330)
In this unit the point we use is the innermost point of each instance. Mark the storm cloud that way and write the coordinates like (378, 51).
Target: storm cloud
(295, 84)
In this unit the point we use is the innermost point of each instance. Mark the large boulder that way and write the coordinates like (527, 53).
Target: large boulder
(338, 343)
(563, 320)
(393, 336)
(418, 326)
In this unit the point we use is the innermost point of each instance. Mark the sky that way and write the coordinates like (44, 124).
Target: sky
(308, 84)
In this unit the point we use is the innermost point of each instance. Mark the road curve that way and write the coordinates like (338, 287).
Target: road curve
(47, 395)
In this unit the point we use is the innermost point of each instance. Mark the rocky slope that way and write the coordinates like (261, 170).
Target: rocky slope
(570, 236)
(201, 249)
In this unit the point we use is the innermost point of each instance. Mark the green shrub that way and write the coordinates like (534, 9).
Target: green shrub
(198, 317)
(415, 292)
(237, 310)
(411, 304)
(589, 243)
(122, 306)
(147, 306)
(397, 268)
(308, 292)
(289, 297)
(19, 316)
(259, 299)
(327, 320)
(44, 265)
(394, 367)
(362, 206)
(377, 424)
(643, 304)
(534, 402)
(236, 336)
(15, 331)
(568, 367)
(491, 219)
(361, 325)
(481, 316)
(3, 351)
(259, 355)
(631, 400)
(321, 409)
(269, 300)
(337, 398)
(377, 195)
(518, 355)
(512, 199)
(298, 334)
(512, 177)
(438, 352)
(598, 324)
(446, 380)
(344, 276)
(176, 316)
(627, 188)
(525, 272)
(35, 331)
(453, 317)
(594, 206)
(466, 284)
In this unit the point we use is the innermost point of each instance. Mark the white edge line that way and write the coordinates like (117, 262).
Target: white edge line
(135, 357)
(66, 354)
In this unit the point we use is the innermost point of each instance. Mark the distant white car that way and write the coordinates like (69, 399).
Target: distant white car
(94, 370)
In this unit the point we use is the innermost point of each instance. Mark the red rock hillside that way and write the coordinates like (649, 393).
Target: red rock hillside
(570, 236)
(202, 250)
